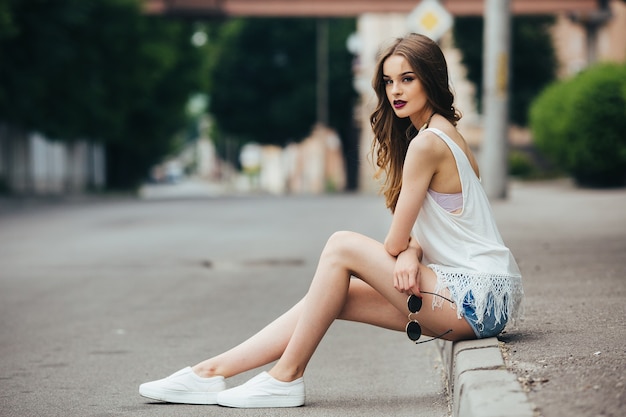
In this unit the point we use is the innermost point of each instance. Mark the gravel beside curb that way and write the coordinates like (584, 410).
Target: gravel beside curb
(479, 383)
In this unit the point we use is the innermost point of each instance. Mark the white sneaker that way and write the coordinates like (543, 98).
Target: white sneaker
(264, 391)
(184, 387)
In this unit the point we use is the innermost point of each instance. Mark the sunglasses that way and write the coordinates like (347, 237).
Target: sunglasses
(413, 328)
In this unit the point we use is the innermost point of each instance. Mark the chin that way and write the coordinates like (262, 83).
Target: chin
(402, 114)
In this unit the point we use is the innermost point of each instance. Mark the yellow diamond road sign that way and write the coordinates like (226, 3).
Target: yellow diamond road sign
(430, 18)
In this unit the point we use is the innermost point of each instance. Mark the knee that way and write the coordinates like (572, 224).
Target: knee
(340, 239)
(339, 245)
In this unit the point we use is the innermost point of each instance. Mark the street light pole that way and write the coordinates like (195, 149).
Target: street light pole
(497, 45)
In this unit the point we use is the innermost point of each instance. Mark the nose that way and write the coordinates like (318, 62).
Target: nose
(395, 89)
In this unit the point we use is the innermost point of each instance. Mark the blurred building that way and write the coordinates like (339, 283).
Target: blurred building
(576, 47)
(583, 34)
(313, 166)
(30, 163)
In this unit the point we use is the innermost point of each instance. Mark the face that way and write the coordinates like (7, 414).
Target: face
(405, 91)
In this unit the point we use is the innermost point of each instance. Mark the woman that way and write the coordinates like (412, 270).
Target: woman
(442, 247)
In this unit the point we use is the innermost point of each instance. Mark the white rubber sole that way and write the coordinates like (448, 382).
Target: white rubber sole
(263, 402)
(179, 397)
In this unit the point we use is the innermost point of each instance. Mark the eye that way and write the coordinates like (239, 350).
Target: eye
(408, 79)
(387, 81)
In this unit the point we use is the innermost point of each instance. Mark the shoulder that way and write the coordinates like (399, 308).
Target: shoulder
(425, 155)
(426, 145)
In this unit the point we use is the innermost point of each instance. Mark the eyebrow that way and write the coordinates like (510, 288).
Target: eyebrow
(403, 74)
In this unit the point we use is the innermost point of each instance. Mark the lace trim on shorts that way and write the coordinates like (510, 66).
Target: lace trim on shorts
(506, 292)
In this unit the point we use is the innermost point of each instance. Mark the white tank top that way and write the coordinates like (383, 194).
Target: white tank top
(466, 250)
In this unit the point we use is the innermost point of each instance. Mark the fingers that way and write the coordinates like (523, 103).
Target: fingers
(407, 282)
(414, 283)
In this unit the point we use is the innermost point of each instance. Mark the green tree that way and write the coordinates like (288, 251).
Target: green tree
(96, 69)
(533, 61)
(264, 80)
(7, 26)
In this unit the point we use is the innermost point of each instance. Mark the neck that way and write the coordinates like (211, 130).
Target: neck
(424, 125)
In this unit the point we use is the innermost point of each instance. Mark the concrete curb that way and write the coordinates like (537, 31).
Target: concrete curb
(479, 383)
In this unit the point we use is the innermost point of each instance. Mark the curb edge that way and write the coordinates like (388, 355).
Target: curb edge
(479, 383)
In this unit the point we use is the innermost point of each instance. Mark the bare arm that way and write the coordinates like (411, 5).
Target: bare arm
(420, 165)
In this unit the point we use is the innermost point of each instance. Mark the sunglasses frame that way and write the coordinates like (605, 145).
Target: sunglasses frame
(414, 304)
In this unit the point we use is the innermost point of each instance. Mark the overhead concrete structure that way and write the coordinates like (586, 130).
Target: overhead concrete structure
(349, 8)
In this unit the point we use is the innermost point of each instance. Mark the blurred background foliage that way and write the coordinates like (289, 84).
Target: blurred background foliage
(103, 71)
(263, 83)
(98, 70)
(579, 123)
(264, 78)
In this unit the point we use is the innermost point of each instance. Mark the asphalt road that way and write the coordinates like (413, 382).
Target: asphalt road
(570, 243)
(100, 295)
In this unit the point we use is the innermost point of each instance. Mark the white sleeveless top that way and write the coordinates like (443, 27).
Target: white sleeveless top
(466, 250)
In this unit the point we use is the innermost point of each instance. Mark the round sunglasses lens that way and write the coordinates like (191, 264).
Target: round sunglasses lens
(413, 330)
(414, 303)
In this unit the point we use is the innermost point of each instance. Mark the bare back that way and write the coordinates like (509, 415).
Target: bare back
(446, 178)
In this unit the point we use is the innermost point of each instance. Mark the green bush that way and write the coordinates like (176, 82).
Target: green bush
(580, 124)
(521, 165)
(527, 164)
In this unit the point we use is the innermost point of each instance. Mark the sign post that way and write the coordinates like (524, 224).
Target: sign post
(430, 18)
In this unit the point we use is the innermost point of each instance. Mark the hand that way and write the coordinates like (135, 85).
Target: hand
(406, 274)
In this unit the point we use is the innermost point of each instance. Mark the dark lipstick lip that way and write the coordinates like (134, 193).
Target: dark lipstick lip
(399, 103)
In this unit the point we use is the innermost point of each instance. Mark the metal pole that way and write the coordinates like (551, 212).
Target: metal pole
(497, 45)
(322, 71)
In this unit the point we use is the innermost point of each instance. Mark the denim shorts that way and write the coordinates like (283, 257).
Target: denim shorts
(489, 327)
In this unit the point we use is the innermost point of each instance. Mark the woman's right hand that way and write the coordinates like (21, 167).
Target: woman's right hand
(406, 274)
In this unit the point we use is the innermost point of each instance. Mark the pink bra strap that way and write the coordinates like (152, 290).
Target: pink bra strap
(448, 202)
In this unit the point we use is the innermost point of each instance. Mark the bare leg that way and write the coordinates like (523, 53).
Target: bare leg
(348, 254)
(264, 347)
(364, 305)
(348, 299)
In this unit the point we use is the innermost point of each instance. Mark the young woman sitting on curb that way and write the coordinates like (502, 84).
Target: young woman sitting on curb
(443, 249)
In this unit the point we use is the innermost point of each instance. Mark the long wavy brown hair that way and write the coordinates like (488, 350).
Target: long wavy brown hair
(392, 134)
